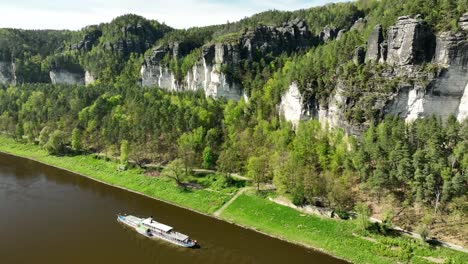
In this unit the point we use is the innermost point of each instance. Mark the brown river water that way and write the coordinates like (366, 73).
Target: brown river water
(48, 215)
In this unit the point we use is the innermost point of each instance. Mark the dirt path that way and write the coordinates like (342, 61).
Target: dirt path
(220, 210)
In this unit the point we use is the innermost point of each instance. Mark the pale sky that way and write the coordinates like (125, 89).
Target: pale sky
(75, 14)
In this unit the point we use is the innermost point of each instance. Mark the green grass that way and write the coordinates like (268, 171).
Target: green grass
(333, 236)
(201, 200)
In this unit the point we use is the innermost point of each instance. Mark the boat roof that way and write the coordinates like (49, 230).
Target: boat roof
(180, 236)
(152, 223)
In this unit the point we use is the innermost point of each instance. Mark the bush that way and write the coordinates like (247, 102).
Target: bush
(363, 213)
(56, 143)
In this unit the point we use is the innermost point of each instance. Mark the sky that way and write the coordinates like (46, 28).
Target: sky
(76, 14)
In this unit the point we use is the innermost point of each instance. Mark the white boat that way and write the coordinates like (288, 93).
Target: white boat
(148, 227)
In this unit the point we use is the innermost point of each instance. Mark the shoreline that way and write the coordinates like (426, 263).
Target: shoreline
(331, 238)
(230, 221)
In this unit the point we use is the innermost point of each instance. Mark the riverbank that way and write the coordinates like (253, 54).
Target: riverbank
(248, 210)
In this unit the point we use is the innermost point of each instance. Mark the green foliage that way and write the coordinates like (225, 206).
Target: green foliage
(76, 140)
(124, 152)
(257, 169)
(176, 170)
(363, 213)
(56, 143)
(133, 179)
(208, 158)
(423, 163)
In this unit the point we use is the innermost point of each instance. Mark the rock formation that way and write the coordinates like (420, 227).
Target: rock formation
(7, 73)
(463, 22)
(89, 40)
(359, 55)
(410, 41)
(373, 44)
(291, 36)
(292, 105)
(216, 71)
(419, 93)
(89, 78)
(328, 33)
(66, 77)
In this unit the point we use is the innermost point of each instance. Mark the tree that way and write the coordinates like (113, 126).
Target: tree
(188, 146)
(44, 135)
(176, 170)
(76, 140)
(56, 143)
(257, 169)
(208, 158)
(363, 213)
(19, 131)
(124, 152)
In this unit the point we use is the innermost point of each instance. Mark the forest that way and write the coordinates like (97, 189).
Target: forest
(418, 169)
(423, 163)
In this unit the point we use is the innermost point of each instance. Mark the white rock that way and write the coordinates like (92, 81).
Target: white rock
(89, 78)
(66, 77)
(463, 107)
(291, 105)
(7, 73)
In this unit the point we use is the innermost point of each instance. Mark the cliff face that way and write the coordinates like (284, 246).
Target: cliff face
(446, 93)
(410, 44)
(7, 73)
(66, 77)
(215, 71)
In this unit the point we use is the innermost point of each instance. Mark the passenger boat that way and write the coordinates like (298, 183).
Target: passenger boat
(148, 227)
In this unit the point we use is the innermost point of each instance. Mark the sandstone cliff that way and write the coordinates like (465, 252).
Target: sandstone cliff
(7, 73)
(216, 70)
(411, 45)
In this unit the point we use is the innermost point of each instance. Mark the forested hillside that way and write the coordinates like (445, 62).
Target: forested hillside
(413, 173)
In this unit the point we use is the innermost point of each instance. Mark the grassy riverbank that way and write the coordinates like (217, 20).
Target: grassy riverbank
(204, 201)
(332, 236)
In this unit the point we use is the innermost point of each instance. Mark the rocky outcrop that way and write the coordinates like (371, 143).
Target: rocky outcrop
(292, 106)
(66, 77)
(410, 41)
(212, 73)
(89, 78)
(463, 22)
(417, 92)
(359, 24)
(328, 33)
(7, 73)
(451, 49)
(359, 55)
(90, 39)
(155, 73)
(217, 71)
(373, 44)
(291, 36)
(463, 107)
(446, 93)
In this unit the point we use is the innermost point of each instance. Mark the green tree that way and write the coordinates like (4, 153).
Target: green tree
(19, 131)
(56, 143)
(208, 158)
(176, 170)
(124, 152)
(76, 143)
(363, 213)
(44, 135)
(257, 169)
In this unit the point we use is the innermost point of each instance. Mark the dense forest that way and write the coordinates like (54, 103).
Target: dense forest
(419, 169)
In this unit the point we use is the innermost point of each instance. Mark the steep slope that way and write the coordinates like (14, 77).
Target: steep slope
(427, 72)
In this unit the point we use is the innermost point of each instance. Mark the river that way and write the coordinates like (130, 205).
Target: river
(52, 216)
